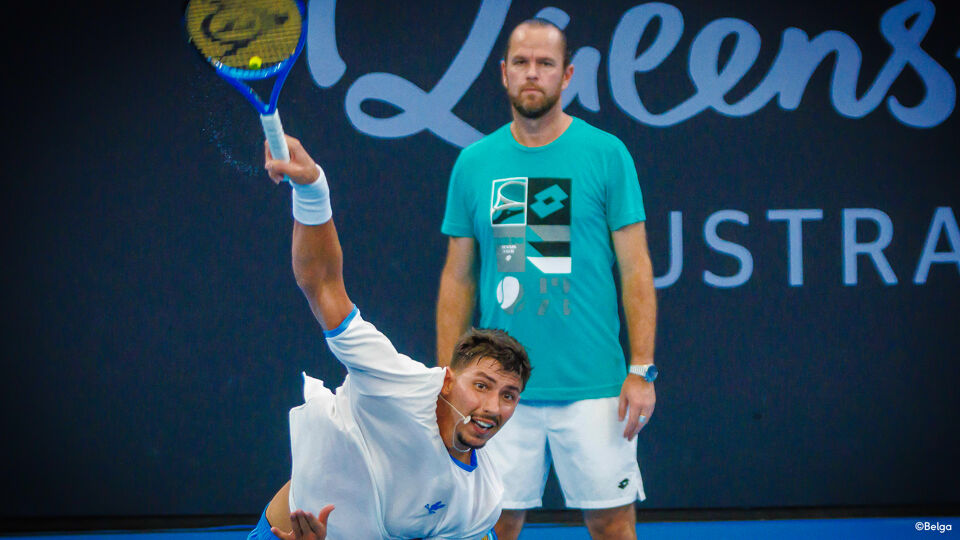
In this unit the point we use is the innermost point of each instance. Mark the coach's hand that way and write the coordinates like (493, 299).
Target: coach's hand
(638, 398)
(301, 167)
(305, 525)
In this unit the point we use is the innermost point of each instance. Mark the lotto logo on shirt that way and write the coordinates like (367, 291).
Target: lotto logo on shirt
(531, 222)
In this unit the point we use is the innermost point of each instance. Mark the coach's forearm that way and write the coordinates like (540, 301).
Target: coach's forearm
(639, 295)
(455, 301)
(318, 269)
(455, 304)
(640, 311)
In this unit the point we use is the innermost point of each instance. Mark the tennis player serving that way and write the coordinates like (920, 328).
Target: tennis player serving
(397, 448)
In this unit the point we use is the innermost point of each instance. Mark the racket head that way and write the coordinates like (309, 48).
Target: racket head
(247, 39)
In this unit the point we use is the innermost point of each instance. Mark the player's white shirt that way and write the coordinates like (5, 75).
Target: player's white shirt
(373, 449)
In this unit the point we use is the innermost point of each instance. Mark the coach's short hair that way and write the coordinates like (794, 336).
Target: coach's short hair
(537, 21)
(496, 345)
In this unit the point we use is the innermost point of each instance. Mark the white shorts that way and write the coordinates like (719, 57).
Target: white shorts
(596, 466)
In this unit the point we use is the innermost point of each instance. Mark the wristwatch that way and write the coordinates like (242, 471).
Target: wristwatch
(649, 372)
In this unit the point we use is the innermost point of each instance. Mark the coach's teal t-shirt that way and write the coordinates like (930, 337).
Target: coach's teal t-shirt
(542, 219)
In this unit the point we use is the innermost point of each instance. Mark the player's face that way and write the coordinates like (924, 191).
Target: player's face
(533, 71)
(488, 395)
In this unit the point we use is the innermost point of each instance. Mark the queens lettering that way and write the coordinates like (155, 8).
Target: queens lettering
(787, 79)
(903, 26)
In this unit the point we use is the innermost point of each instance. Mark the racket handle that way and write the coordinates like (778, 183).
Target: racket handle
(274, 132)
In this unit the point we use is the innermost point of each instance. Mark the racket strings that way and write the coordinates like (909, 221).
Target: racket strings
(244, 34)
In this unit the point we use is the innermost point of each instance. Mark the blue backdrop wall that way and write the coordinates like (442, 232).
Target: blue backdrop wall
(798, 162)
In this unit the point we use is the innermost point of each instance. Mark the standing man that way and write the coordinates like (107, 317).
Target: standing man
(549, 203)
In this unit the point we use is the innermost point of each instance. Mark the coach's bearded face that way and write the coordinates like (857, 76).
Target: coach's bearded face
(533, 71)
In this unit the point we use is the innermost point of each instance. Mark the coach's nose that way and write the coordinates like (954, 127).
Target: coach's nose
(532, 74)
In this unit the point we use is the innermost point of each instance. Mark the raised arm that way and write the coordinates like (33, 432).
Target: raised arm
(456, 299)
(317, 257)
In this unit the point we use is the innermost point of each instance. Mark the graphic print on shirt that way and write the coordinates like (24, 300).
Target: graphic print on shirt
(530, 218)
(432, 508)
(548, 224)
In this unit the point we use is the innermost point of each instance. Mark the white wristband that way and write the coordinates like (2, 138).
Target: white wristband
(311, 202)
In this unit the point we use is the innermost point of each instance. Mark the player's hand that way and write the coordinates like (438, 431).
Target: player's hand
(638, 398)
(301, 167)
(305, 525)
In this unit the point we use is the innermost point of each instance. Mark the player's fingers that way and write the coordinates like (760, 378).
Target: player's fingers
(268, 157)
(622, 408)
(274, 176)
(324, 513)
(281, 534)
(278, 169)
(304, 172)
(312, 524)
(296, 152)
(293, 144)
(304, 523)
(295, 526)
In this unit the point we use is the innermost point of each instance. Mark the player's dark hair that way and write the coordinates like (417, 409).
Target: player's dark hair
(494, 344)
(537, 21)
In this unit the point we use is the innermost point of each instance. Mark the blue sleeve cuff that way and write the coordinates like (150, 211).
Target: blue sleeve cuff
(452, 229)
(619, 222)
(343, 326)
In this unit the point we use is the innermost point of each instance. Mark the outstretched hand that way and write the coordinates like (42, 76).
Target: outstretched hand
(305, 525)
(300, 169)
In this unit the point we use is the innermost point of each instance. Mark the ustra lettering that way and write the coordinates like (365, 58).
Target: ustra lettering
(859, 255)
(903, 26)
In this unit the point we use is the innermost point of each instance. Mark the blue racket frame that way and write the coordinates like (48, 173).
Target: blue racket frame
(236, 76)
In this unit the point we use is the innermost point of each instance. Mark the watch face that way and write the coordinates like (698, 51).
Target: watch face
(651, 374)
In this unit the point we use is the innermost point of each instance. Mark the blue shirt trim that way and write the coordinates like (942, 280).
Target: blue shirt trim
(464, 466)
(343, 326)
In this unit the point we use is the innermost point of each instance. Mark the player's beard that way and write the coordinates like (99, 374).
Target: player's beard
(468, 445)
(536, 109)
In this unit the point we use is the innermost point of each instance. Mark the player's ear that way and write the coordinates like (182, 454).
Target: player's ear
(449, 377)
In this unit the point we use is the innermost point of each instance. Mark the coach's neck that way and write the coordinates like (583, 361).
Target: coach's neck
(540, 131)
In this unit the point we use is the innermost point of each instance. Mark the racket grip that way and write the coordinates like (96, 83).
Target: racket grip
(274, 133)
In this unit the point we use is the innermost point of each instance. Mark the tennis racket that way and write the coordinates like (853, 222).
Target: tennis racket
(250, 40)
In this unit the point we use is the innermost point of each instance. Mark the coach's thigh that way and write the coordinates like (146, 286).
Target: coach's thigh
(596, 466)
(519, 452)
